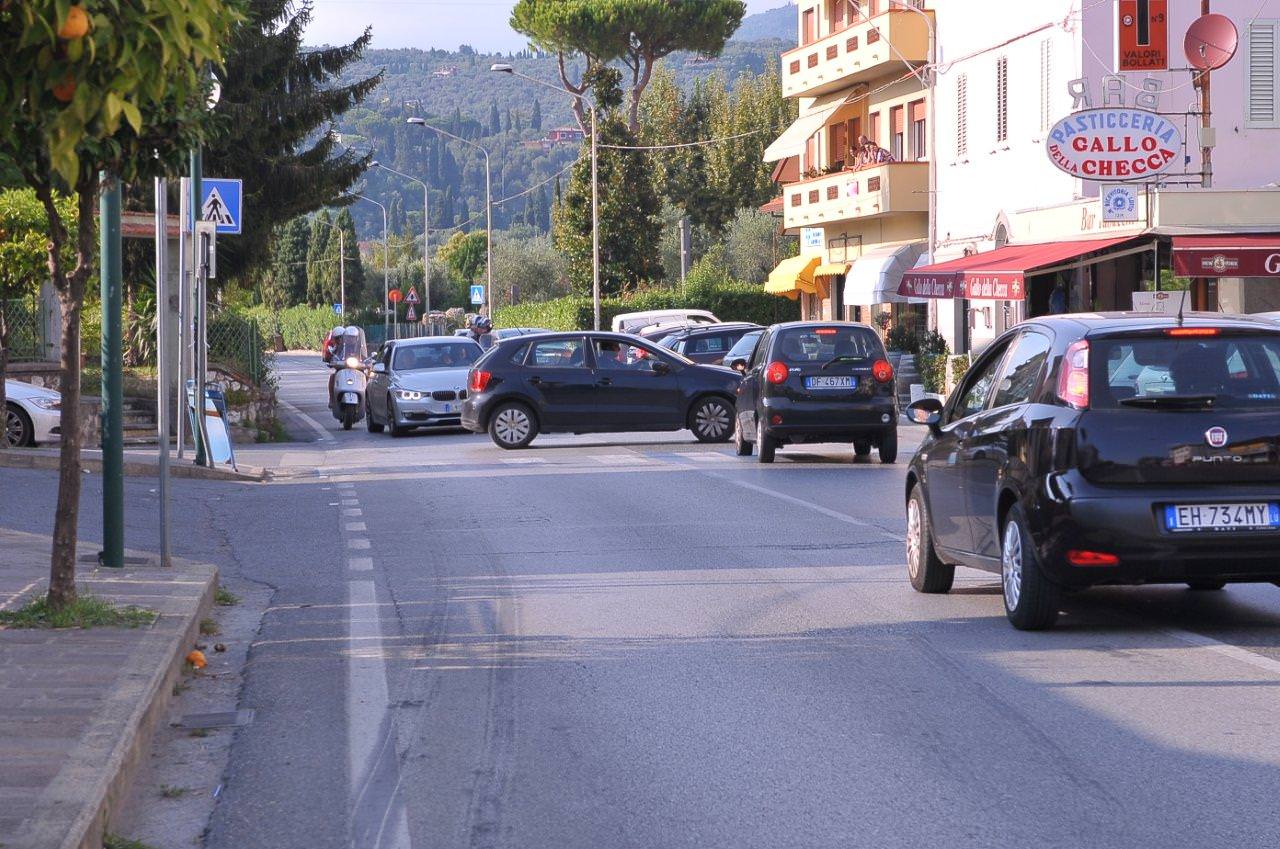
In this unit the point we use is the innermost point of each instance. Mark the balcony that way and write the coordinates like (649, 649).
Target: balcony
(867, 193)
(856, 53)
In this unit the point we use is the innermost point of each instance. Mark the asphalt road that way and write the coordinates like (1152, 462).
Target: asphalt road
(638, 641)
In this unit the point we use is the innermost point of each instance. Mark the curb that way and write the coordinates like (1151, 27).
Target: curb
(48, 458)
(119, 742)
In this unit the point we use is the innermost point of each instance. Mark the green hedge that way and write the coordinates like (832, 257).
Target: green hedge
(302, 328)
(729, 301)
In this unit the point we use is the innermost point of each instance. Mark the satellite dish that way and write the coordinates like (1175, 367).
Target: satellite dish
(1210, 42)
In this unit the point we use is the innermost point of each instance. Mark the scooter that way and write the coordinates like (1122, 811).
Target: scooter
(347, 400)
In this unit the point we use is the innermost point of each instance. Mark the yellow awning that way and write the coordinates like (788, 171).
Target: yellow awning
(832, 269)
(793, 276)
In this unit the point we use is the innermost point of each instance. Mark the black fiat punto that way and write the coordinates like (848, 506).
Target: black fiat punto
(826, 381)
(1092, 449)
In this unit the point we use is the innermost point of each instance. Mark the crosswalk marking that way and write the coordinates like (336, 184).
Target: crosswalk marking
(620, 459)
(704, 456)
(522, 461)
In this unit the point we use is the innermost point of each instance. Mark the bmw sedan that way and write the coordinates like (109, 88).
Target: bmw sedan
(1103, 449)
(419, 383)
(31, 414)
(594, 383)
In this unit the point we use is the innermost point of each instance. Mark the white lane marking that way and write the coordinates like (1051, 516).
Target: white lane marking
(360, 564)
(345, 487)
(358, 544)
(356, 526)
(1243, 655)
(350, 502)
(704, 456)
(315, 425)
(800, 502)
(352, 512)
(620, 459)
(19, 594)
(522, 461)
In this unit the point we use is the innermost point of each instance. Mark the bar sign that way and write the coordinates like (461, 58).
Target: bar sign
(1142, 35)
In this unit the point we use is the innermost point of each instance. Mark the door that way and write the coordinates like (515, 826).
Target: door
(996, 434)
(637, 388)
(809, 29)
(377, 390)
(561, 384)
(749, 388)
(945, 462)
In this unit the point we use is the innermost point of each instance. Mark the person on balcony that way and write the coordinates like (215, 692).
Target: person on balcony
(871, 154)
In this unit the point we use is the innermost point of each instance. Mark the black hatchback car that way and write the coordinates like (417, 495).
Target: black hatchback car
(1103, 449)
(817, 382)
(707, 343)
(594, 383)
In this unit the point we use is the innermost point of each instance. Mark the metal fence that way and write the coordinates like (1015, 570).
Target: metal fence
(237, 341)
(26, 330)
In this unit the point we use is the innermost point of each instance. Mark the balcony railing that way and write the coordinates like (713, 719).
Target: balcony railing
(882, 190)
(856, 53)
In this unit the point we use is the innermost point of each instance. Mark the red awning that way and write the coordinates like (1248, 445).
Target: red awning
(1241, 255)
(997, 275)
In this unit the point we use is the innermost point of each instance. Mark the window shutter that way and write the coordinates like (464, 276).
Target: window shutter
(1046, 87)
(962, 115)
(1002, 99)
(1261, 108)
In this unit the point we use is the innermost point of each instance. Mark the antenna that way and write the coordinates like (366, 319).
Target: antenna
(1182, 303)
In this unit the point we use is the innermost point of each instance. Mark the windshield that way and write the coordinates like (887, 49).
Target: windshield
(349, 345)
(438, 355)
(820, 345)
(1228, 371)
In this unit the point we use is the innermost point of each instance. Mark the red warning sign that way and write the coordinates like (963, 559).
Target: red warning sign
(1142, 35)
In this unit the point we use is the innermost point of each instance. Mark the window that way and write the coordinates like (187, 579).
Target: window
(1023, 370)
(897, 130)
(758, 353)
(919, 135)
(438, 355)
(1260, 77)
(1002, 99)
(1238, 372)
(809, 28)
(558, 353)
(839, 144)
(1046, 88)
(708, 345)
(873, 127)
(962, 115)
(974, 392)
(815, 346)
(612, 355)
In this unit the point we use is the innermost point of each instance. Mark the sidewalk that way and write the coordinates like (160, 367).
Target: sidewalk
(136, 464)
(77, 707)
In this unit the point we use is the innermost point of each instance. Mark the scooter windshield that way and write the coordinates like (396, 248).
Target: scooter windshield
(351, 345)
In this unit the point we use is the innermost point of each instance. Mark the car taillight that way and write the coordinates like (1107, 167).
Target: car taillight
(1073, 382)
(479, 380)
(777, 373)
(882, 371)
(1092, 558)
(1192, 331)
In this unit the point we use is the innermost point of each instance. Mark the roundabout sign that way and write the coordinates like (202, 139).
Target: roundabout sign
(1113, 144)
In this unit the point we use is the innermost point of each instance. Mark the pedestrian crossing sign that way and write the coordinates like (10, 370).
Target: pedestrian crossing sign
(222, 202)
(477, 295)
(411, 315)
(412, 297)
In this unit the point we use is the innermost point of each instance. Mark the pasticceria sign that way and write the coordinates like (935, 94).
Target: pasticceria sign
(1114, 143)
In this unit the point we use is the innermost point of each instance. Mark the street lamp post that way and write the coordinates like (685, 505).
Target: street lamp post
(488, 210)
(504, 68)
(426, 239)
(386, 265)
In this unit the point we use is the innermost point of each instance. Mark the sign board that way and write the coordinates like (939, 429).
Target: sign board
(1120, 203)
(209, 230)
(412, 297)
(811, 238)
(395, 296)
(337, 309)
(1142, 35)
(477, 295)
(222, 202)
(411, 314)
(1161, 302)
(1113, 144)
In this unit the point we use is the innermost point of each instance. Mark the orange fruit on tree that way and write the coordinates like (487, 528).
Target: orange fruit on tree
(65, 90)
(76, 25)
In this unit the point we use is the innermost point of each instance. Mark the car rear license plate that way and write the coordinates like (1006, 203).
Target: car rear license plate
(350, 398)
(828, 383)
(1222, 517)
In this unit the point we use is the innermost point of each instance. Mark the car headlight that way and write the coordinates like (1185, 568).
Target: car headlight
(47, 403)
(353, 362)
(408, 395)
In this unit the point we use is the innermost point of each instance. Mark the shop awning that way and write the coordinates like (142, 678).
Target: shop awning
(877, 274)
(793, 138)
(997, 275)
(793, 276)
(831, 269)
(1239, 255)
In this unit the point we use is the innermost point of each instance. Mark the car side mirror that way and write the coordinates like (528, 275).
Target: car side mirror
(926, 411)
(739, 365)
(379, 368)
(659, 367)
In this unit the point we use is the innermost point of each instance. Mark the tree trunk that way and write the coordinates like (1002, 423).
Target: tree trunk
(62, 568)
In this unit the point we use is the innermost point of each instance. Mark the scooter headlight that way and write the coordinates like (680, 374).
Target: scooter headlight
(353, 362)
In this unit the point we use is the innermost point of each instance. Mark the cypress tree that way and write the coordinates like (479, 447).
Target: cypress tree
(535, 120)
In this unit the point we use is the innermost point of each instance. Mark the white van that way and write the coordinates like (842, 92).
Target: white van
(630, 322)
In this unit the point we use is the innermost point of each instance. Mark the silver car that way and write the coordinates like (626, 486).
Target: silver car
(419, 383)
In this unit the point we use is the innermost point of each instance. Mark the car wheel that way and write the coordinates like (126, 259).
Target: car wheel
(765, 444)
(1205, 586)
(512, 426)
(373, 426)
(711, 420)
(18, 431)
(925, 568)
(862, 448)
(1030, 601)
(392, 418)
(740, 444)
(889, 445)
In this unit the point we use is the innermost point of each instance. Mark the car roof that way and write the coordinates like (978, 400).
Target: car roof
(787, 325)
(694, 329)
(432, 340)
(1095, 323)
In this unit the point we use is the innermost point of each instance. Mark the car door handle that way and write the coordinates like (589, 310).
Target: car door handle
(535, 380)
(605, 381)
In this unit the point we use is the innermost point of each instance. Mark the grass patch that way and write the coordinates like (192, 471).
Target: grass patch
(168, 791)
(225, 598)
(86, 612)
(209, 627)
(115, 841)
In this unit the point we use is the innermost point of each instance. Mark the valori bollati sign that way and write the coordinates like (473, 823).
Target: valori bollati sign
(1113, 144)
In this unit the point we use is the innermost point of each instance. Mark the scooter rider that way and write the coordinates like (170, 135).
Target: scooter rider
(482, 331)
(331, 343)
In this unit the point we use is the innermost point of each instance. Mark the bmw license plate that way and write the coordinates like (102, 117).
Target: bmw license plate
(828, 382)
(1222, 517)
(350, 398)
(448, 408)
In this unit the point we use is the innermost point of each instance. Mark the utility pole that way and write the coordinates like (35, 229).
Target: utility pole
(111, 276)
(163, 332)
(197, 308)
(595, 220)
(1206, 151)
(342, 273)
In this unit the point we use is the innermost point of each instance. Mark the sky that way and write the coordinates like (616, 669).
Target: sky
(431, 23)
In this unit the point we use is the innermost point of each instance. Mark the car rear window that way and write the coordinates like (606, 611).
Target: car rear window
(819, 345)
(1236, 371)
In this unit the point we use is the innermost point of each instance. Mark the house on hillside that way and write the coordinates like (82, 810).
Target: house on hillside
(447, 71)
(565, 135)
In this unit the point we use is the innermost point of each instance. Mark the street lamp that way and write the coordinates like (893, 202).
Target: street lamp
(426, 238)
(503, 68)
(386, 265)
(488, 209)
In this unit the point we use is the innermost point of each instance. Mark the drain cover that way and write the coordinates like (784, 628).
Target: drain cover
(225, 719)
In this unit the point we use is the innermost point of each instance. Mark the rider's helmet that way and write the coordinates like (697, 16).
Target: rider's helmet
(337, 331)
(482, 324)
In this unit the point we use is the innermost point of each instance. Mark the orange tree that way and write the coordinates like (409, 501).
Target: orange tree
(105, 89)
